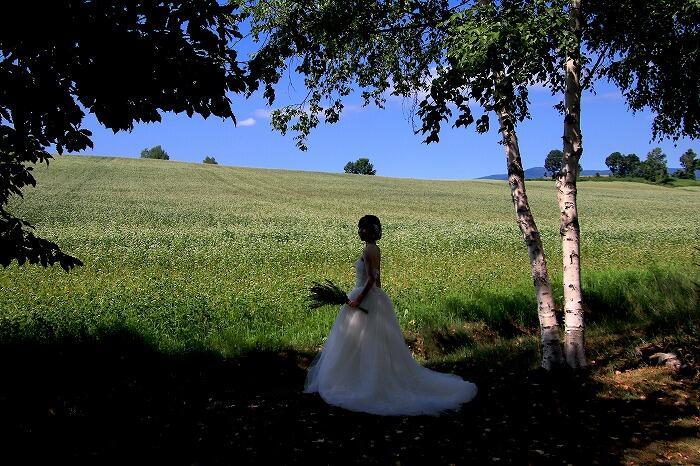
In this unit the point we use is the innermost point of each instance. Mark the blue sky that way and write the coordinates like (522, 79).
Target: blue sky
(386, 137)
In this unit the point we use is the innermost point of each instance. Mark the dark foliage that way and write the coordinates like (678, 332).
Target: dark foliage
(553, 162)
(211, 160)
(623, 165)
(613, 161)
(654, 168)
(651, 53)
(690, 163)
(123, 61)
(361, 166)
(378, 48)
(155, 152)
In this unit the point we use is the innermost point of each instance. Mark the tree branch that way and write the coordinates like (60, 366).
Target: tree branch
(424, 25)
(589, 77)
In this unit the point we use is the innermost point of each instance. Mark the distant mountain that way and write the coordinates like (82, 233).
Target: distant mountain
(671, 171)
(585, 172)
(540, 172)
(534, 172)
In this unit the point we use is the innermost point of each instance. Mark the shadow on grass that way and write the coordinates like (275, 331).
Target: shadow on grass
(510, 313)
(654, 295)
(661, 297)
(112, 398)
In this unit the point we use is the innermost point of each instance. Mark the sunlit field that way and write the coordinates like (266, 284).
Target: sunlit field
(192, 256)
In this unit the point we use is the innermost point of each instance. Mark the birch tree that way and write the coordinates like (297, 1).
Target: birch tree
(493, 53)
(483, 54)
(649, 49)
(574, 346)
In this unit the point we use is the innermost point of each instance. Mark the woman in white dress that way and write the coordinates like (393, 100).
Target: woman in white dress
(365, 364)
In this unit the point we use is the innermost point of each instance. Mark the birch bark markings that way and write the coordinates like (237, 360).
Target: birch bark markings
(574, 342)
(549, 328)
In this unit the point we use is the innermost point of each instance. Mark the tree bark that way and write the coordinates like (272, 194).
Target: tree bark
(574, 344)
(549, 328)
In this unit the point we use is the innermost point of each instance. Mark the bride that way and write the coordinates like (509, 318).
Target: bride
(365, 364)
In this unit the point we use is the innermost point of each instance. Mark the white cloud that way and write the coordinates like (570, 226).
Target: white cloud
(247, 122)
(262, 113)
(354, 108)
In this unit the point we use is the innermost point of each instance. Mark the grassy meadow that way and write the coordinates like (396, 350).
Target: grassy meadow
(192, 256)
(186, 334)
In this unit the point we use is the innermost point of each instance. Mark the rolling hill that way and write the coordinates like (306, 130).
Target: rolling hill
(192, 255)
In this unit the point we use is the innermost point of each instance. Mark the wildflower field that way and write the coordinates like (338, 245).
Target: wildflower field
(186, 334)
(193, 256)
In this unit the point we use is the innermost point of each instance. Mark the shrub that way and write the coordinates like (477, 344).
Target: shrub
(156, 152)
(361, 167)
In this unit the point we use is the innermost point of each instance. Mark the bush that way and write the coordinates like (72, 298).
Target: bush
(209, 159)
(156, 152)
(361, 167)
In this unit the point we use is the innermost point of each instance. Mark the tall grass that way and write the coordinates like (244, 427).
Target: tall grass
(192, 256)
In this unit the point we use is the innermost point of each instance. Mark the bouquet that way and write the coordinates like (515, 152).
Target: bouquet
(328, 293)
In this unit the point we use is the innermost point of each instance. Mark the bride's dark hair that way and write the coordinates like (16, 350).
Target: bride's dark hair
(371, 221)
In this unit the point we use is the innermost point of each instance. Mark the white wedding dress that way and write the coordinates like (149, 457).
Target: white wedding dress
(366, 366)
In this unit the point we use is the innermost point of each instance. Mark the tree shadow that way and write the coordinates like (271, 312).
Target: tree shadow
(113, 398)
(509, 314)
(662, 297)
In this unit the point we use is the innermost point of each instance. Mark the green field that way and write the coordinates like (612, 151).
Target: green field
(197, 256)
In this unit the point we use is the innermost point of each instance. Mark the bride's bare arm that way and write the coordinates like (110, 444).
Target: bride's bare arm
(370, 257)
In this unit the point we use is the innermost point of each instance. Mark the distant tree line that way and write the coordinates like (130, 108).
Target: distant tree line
(157, 152)
(654, 168)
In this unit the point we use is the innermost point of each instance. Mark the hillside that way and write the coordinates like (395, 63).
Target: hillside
(186, 334)
(164, 240)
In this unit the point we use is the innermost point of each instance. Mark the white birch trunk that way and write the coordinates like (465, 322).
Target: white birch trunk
(549, 328)
(574, 344)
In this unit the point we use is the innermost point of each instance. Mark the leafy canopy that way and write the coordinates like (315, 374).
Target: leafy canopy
(614, 161)
(448, 57)
(649, 49)
(373, 47)
(458, 56)
(494, 52)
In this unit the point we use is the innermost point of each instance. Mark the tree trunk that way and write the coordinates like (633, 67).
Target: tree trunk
(574, 347)
(549, 328)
